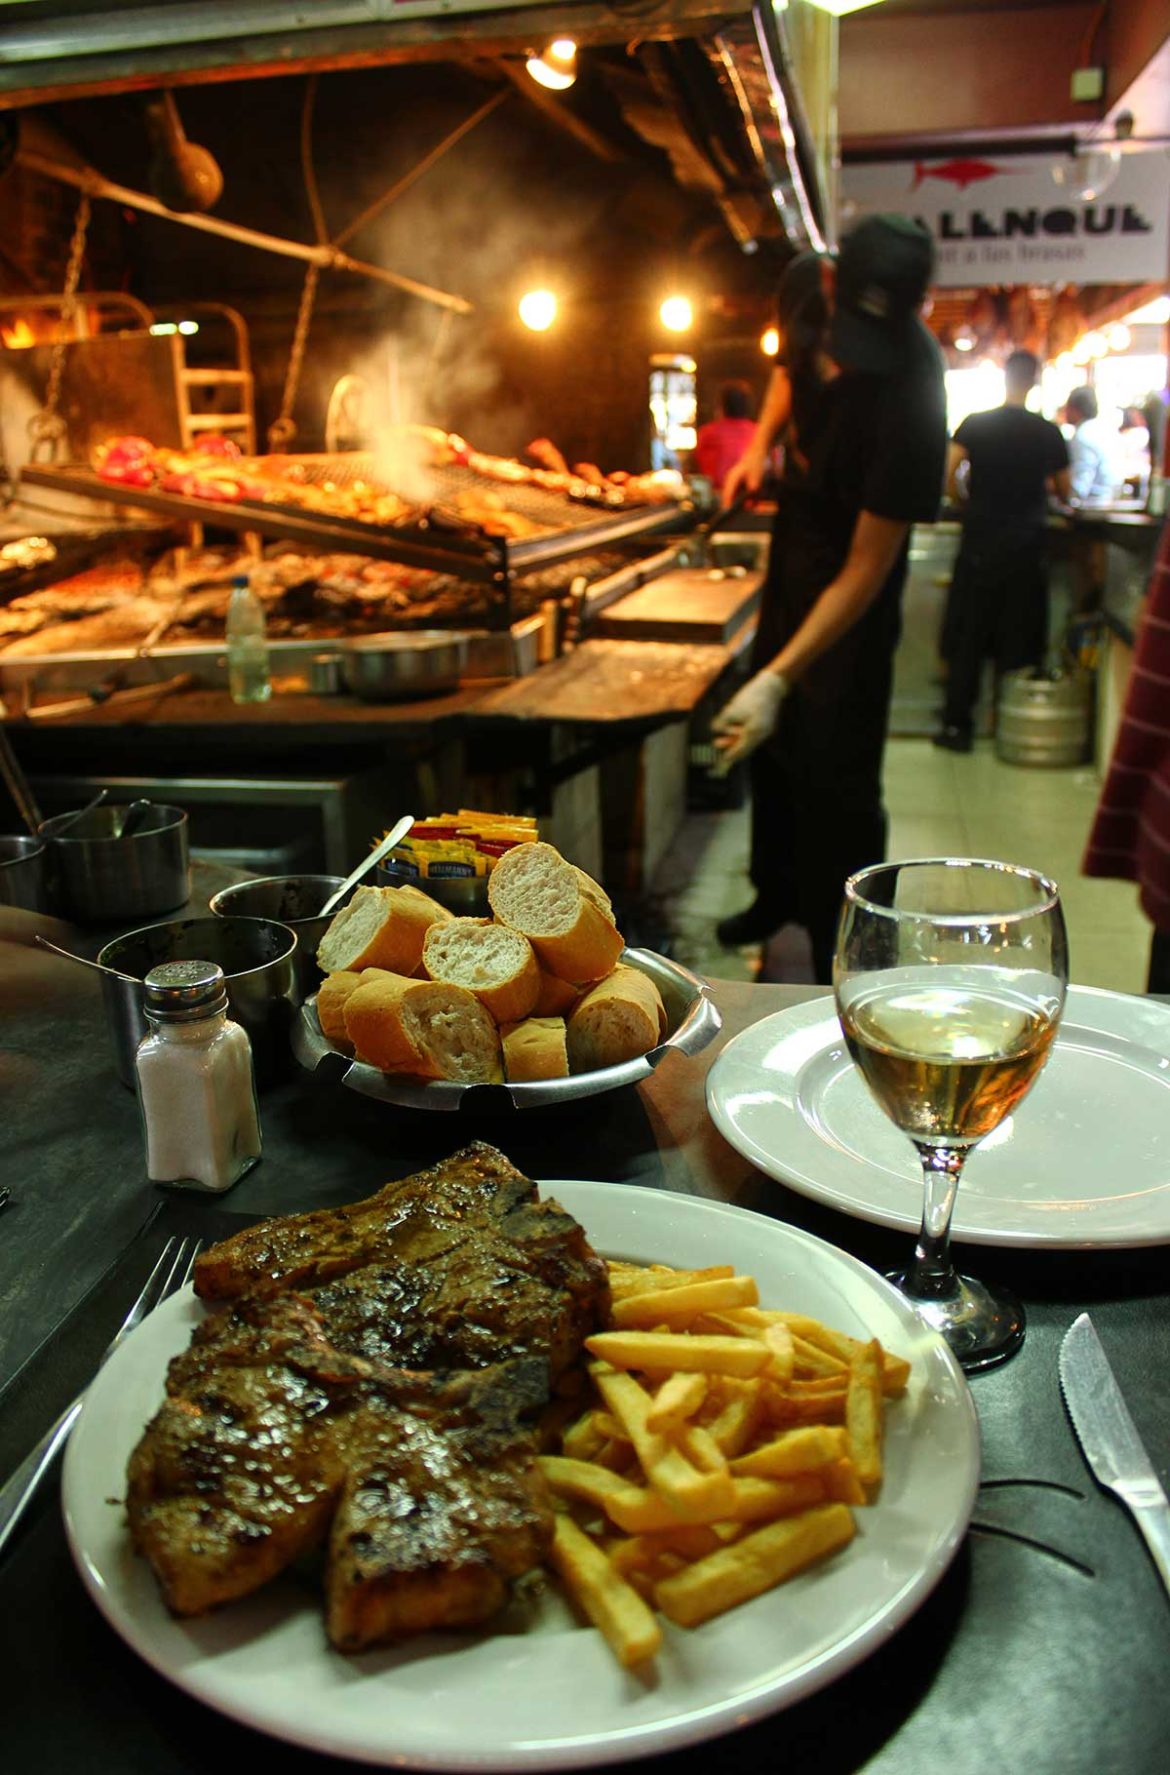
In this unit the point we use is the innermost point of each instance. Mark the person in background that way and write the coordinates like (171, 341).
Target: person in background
(997, 605)
(721, 442)
(867, 408)
(1130, 835)
(1093, 451)
(1134, 439)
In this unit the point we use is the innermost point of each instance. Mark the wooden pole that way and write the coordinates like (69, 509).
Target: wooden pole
(329, 257)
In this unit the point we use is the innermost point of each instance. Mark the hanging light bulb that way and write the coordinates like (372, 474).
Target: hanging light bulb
(556, 65)
(676, 314)
(1119, 337)
(538, 309)
(770, 342)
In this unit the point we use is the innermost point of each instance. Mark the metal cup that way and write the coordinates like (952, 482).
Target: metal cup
(296, 901)
(464, 895)
(96, 877)
(258, 957)
(22, 874)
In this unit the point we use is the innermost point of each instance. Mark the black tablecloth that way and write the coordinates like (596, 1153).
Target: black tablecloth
(1044, 1647)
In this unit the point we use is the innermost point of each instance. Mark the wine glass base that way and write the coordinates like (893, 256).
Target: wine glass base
(982, 1323)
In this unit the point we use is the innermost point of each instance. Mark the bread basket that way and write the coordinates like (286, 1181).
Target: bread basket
(692, 1022)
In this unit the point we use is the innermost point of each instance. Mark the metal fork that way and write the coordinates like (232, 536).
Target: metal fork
(172, 1271)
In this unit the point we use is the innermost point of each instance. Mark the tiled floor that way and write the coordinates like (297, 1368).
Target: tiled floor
(940, 803)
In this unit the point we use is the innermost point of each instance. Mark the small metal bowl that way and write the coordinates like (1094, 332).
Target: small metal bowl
(396, 667)
(257, 955)
(293, 900)
(22, 873)
(96, 877)
(464, 895)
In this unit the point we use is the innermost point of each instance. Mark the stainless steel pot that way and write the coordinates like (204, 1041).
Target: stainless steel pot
(294, 900)
(96, 876)
(394, 668)
(258, 957)
(22, 873)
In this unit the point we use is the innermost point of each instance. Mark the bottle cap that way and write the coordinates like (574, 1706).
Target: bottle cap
(181, 991)
(240, 582)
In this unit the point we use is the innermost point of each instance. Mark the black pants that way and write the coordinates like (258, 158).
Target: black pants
(817, 813)
(997, 608)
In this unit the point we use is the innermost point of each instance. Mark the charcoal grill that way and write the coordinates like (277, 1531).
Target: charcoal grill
(437, 538)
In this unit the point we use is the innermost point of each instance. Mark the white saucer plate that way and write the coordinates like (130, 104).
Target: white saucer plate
(1083, 1163)
(543, 1691)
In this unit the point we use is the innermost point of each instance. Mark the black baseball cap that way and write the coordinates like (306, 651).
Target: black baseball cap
(884, 268)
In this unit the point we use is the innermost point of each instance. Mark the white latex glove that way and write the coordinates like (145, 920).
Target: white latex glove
(746, 721)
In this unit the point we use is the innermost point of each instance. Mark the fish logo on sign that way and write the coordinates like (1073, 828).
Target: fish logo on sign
(958, 172)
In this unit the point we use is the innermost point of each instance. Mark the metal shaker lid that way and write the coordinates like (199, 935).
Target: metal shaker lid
(179, 991)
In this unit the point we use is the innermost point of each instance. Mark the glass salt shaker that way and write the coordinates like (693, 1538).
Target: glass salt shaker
(195, 1082)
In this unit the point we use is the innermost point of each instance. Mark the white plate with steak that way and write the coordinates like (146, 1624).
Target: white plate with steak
(534, 1688)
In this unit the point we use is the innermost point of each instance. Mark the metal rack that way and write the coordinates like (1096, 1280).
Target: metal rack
(438, 539)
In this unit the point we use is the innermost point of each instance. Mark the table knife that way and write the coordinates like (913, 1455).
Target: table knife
(1109, 1439)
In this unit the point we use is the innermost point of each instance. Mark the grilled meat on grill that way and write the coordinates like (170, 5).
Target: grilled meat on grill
(369, 1384)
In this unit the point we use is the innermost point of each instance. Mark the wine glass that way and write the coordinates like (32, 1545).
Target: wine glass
(950, 977)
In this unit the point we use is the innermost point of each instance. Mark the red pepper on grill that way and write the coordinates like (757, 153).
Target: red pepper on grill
(128, 460)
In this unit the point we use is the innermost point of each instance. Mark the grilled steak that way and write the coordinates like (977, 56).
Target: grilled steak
(372, 1382)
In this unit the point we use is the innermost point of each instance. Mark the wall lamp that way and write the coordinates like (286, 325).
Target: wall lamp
(556, 65)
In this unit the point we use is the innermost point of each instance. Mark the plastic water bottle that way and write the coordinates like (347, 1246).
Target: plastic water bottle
(247, 647)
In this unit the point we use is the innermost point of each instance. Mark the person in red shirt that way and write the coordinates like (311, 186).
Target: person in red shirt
(721, 442)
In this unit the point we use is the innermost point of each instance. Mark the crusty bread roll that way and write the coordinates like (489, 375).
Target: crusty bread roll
(426, 1027)
(332, 996)
(535, 1049)
(379, 928)
(556, 997)
(534, 890)
(594, 891)
(491, 960)
(618, 1019)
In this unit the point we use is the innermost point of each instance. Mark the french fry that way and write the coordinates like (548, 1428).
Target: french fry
(582, 1440)
(677, 1400)
(895, 1369)
(810, 1361)
(693, 1496)
(626, 1278)
(804, 1450)
(701, 1448)
(842, 1484)
(752, 1565)
(863, 1412)
(738, 1422)
(678, 1306)
(666, 1349)
(611, 1604)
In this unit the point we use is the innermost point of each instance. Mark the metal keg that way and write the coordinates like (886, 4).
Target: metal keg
(1044, 718)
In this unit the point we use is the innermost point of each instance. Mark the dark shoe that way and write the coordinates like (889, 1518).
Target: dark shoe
(753, 925)
(954, 739)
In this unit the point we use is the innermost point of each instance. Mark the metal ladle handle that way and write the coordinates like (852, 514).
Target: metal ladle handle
(84, 961)
(393, 837)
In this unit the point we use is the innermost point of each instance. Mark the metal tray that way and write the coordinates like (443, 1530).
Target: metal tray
(692, 1023)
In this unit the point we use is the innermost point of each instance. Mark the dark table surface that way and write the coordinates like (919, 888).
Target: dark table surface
(1045, 1647)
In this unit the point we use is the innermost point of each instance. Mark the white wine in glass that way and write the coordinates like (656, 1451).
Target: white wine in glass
(950, 977)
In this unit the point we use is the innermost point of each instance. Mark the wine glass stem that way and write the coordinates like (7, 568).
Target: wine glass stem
(932, 1274)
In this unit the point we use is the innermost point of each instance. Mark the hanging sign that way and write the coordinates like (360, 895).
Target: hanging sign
(1026, 218)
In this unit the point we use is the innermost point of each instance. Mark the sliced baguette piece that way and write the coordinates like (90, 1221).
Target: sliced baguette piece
(491, 960)
(427, 1028)
(536, 892)
(535, 1049)
(332, 995)
(594, 891)
(556, 997)
(617, 1020)
(379, 928)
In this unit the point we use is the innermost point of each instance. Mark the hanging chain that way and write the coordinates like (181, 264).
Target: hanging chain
(47, 428)
(283, 430)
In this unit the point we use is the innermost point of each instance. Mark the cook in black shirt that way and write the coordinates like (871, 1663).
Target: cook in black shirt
(868, 463)
(997, 606)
